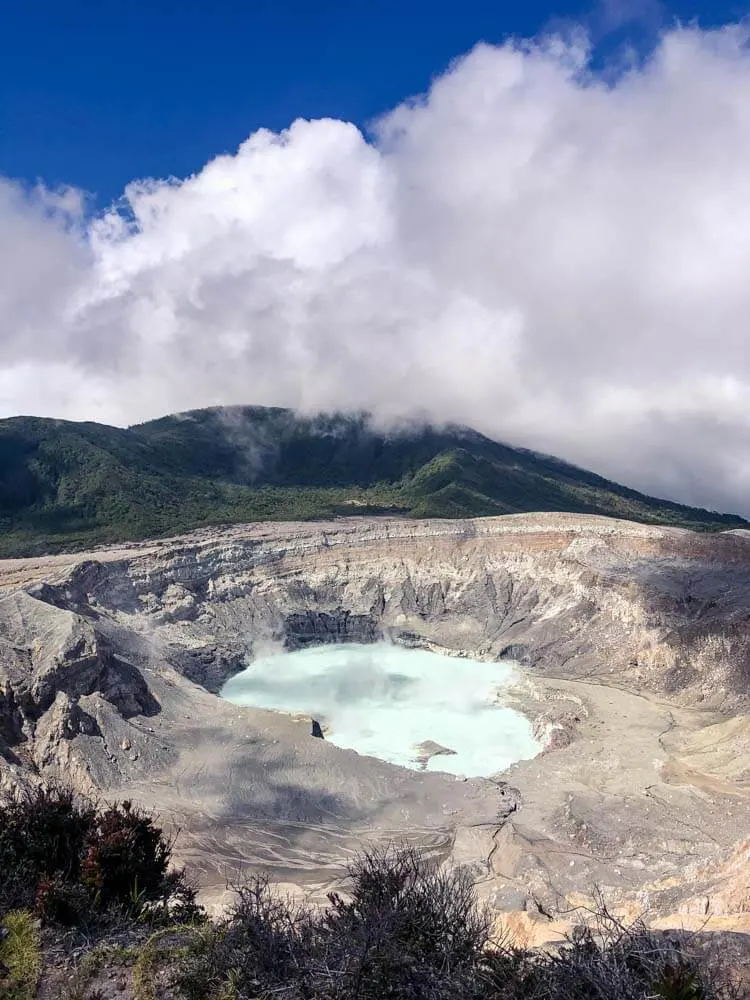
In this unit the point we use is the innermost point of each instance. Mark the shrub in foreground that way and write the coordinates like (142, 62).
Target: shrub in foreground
(412, 930)
(406, 928)
(20, 957)
(607, 961)
(69, 861)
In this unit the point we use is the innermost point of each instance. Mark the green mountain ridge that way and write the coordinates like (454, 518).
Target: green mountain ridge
(71, 485)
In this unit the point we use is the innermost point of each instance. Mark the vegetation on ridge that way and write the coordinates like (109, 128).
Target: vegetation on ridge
(70, 485)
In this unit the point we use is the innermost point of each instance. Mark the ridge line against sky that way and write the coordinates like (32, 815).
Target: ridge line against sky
(540, 247)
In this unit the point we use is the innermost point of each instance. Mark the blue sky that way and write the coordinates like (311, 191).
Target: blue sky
(554, 257)
(96, 93)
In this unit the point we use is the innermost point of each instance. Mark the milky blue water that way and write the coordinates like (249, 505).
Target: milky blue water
(384, 701)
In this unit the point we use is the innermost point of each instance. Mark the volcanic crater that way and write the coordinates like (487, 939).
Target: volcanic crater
(628, 650)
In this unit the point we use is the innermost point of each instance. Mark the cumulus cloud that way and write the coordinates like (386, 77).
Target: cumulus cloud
(556, 257)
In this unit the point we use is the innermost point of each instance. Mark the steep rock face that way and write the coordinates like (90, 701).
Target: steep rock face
(655, 609)
(317, 628)
(50, 658)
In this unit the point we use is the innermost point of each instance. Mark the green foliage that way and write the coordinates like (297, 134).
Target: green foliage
(72, 485)
(163, 950)
(70, 862)
(20, 956)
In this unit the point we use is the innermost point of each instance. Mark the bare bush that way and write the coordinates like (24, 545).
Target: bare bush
(267, 944)
(411, 929)
(607, 960)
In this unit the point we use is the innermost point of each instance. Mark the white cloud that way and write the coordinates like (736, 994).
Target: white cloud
(559, 261)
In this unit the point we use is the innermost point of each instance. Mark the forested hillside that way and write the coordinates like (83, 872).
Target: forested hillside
(65, 484)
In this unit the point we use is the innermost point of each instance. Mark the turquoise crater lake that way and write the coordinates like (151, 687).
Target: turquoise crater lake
(387, 702)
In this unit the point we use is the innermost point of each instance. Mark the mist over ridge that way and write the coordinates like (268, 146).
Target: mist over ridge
(553, 255)
(71, 485)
